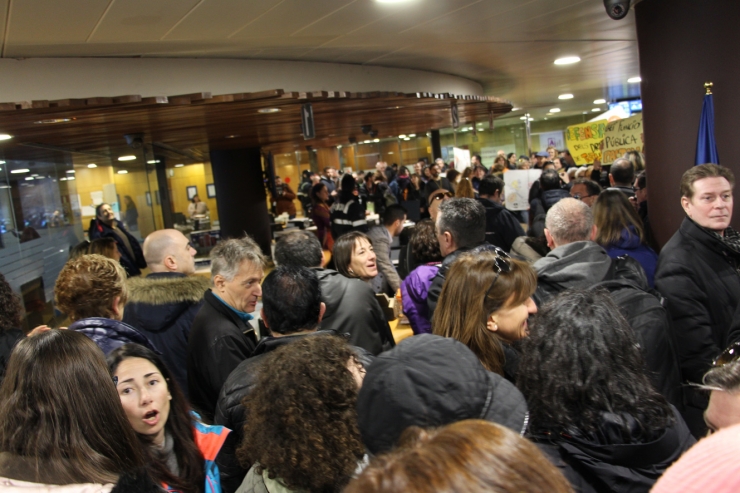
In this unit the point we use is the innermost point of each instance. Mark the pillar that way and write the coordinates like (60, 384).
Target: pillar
(682, 44)
(241, 196)
(436, 145)
(164, 191)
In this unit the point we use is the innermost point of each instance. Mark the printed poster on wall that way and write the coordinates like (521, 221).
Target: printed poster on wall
(517, 183)
(462, 158)
(554, 139)
(584, 141)
(621, 136)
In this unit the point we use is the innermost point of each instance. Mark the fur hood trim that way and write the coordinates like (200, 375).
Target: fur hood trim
(165, 290)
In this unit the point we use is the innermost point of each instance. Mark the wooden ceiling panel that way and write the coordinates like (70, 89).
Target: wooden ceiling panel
(219, 19)
(140, 20)
(43, 22)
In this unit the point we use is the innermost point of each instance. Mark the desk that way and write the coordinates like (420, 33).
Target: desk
(400, 331)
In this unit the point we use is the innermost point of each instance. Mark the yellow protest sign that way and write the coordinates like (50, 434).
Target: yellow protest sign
(621, 136)
(584, 140)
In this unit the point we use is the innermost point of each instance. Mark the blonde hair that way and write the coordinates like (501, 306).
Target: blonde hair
(87, 286)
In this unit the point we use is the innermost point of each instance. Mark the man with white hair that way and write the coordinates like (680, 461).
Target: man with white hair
(163, 304)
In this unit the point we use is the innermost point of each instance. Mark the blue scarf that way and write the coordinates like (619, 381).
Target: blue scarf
(246, 317)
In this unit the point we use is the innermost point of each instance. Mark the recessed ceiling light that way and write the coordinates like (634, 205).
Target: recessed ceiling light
(565, 96)
(2, 162)
(54, 120)
(70, 171)
(567, 60)
(599, 101)
(402, 136)
(545, 113)
(515, 109)
(522, 117)
(595, 109)
(62, 179)
(30, 178)
(70, 178)
(376, 140)
(554, 110)
(92, 165)
(634, 80)
(234, 136)
(268, 110)
(179, 165)
(20, 170)
(412, 135)
(127, 158)
(152, 161)
(5, 137)
(339, 146)
(407, 138)
(391, 1)
(122, 172)
(35, 175)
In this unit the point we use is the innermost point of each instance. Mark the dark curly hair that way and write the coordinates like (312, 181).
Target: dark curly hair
(11, 312)
(424, 244)
(301, 421)
(581, 360)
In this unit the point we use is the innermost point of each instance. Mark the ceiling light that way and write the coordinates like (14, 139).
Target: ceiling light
(2, 162)
(123, 172)
(549, 114)
(35, 175)
(599, 101)
(339, 146)
(5, 137)
(402, 136)
(567, 60)
(634, 80)
(412, 135)
(376, 140)
(522, 117)
(62, 179)
(515, 109)
(92, 165)
(391, 1)
(18, 171)
(54, 120)
(554, 110)
(268, 110)
(29, 178)
(152, 161)
(565, 96)
(596, 110)
(407, 138)
(585, 112)
(70, 178)
(234, 136)
(70, 171)
(179, 165)
(127, 158)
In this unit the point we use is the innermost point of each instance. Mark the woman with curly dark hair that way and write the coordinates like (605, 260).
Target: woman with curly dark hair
(11, 320)
(425, 249)
(592, 407)
(301, 428)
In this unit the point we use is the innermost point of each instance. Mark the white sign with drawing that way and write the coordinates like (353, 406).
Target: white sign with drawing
(516, 190)
(462, 158)
(554, 139)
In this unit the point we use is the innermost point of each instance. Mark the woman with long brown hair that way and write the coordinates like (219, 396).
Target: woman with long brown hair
(62, 421)
(485, 303)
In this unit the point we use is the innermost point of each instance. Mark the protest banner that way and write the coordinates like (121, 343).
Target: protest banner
(462, 158)
(621, 136)
(517, 183)
(584, 141)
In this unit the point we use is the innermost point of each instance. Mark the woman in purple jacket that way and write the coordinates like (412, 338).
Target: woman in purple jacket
(414, 288)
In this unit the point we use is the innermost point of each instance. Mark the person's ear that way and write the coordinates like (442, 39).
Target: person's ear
(264, 320)
(117, 308)
(491, 324)
(550, 241)
(170, 263)
(448, 239)
(611, 179)
(594, 230)
(322, 310)
(686, 204)
(218, 282)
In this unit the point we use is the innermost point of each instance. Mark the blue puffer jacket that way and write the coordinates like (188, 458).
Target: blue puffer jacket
(110, 334)
(629, 244)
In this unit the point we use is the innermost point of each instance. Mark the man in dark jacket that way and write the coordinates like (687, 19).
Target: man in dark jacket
(351, 306)
(292, 309)
(437, 181)
(221, 336)
(430, 381)
(698, 273)
(502, 228)
(461, 226)
(621, 176)
(105, 225)
(550, 192)
(163, 304)
(576, 262)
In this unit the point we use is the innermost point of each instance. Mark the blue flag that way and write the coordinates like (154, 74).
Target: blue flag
(706, 146)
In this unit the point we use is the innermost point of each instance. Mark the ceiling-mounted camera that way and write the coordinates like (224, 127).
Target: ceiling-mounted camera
(617, 9)
(134, 141)
(366, 129)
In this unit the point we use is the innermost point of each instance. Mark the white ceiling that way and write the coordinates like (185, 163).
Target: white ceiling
(507, 45)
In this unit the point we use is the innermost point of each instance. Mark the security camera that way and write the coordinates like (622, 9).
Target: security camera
(617, 9)
(373, 133)
(134, 141)
(366, 129)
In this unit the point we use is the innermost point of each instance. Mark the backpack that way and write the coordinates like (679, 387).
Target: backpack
(644, 309)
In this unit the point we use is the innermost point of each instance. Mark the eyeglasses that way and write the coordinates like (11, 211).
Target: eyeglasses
(501, 264)
(636, 189)
(578, 196)
(729, 355)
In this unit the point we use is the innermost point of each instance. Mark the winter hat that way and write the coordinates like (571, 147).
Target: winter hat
(430, 381)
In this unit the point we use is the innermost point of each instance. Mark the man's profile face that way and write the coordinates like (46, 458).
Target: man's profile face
(579, 191)
(640, 193)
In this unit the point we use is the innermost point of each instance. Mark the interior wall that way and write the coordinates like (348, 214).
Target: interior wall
(682, 44)
(199, 175)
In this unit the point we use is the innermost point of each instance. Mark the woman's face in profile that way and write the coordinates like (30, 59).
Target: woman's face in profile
(510, 321)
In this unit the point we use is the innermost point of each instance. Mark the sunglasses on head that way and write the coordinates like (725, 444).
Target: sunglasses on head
(729, 355)
(502, 263)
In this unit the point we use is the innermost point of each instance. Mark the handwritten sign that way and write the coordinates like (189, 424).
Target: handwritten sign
(516, 190)
(462, 158)
(584, 141)
(621, 136)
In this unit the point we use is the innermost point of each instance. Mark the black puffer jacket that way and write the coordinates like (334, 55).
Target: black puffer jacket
(163, 307)
(131, 263)
(351, 308)
(502, 228)
(438, 281)
(230, 413)
(611, 461)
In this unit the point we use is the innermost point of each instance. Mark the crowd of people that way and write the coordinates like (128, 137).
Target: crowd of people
(556, 352)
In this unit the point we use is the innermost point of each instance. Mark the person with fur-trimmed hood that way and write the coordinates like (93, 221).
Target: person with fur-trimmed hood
(163, 304)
